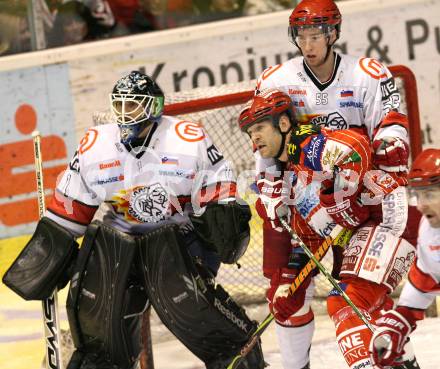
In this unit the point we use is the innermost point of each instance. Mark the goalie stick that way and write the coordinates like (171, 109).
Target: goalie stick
(341, 239)
(50, 305)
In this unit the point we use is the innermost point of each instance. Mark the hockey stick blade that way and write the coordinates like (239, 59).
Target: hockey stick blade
(341, 233)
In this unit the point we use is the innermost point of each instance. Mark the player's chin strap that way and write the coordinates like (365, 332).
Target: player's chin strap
(283, 141)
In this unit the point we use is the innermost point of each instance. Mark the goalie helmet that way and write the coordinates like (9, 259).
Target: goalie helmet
(425, 170)
(322, 14)
(268, 104)
(136, 102)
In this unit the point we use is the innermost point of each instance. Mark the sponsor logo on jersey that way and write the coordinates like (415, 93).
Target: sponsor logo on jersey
(434, 248)
(306, 197)
(298, 104)
(400, 268)
(313, 153)
(372, 67)
(388, 88)
(378, 242)
(149, 204)
(336, 121)
(346, 93)
(390, 95)
(108, 180)
(353, 158)
(190, 132)
(74, 163)
(214, 155)
(330, 156)
(112, 164)
(351, 104)
(293, 91)
(88, 140)
(181, 173)
(301, 77)
(169, 160)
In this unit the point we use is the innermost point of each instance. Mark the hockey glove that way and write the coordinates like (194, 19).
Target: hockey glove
(391, 154)
(386, 345)
(272, 195)
(347, 212)
(281, 303)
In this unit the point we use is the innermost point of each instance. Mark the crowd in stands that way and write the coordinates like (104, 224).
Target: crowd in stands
(68, 22)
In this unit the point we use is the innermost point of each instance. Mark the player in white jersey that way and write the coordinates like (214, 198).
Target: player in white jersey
(171, 217)
(339, 92)
(424, 276)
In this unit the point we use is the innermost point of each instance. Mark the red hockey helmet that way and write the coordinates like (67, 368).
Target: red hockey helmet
(268, 104)
(315, 13)
(425, 170)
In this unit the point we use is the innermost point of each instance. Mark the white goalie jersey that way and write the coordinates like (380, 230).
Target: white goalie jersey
(178, 170)
(359, 94)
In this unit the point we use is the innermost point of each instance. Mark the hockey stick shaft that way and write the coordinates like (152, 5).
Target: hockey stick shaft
(323, 269)
(302, 275)
(50, 305)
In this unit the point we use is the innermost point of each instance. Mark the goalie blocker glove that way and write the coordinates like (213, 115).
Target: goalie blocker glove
(224, 228)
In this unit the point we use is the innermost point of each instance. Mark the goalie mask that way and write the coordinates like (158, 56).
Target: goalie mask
(136, 102)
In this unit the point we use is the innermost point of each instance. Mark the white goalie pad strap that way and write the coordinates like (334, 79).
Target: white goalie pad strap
(376, 255)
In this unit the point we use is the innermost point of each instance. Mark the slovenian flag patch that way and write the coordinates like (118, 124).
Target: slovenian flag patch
(346, 93)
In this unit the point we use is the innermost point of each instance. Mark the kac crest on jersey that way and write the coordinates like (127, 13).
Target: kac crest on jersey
(149, 204)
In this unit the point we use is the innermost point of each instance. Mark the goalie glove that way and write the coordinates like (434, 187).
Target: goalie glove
(386, 345)
(391, 154)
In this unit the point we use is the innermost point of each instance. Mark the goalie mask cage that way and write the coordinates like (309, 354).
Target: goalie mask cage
(217, 109)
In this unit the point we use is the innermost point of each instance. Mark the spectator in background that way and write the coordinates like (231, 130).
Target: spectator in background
(161, 14)
(14, 31)
(71, 25)
(213, 10)
(76, 22)
(254, 7)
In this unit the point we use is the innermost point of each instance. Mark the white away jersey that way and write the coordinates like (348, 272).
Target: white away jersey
(359, 94)
(424, 275)
(177, 167)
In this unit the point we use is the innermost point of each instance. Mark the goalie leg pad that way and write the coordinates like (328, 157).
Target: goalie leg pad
(199, 313)
(106, 299)
(43, 263)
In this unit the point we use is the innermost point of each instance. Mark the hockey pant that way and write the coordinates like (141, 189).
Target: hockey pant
(352, 335)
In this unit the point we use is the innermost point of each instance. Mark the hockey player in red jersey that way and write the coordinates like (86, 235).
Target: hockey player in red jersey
(424, 276)
(335, 91)
(331, 181)
(171, 216)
